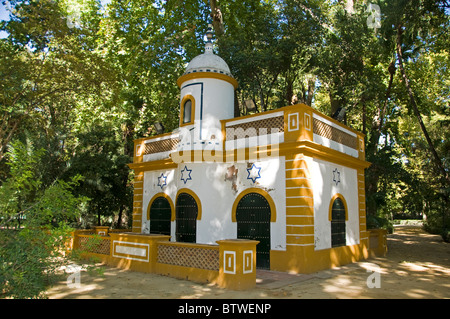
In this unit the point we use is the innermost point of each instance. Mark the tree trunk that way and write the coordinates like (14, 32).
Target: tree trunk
(237, 111)
(334, 104)
(378, 127)
(216, 16)
(436, 158)
(375, 171)
(311, 87)
(119, 217)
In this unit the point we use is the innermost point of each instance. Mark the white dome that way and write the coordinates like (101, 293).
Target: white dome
(208, 62)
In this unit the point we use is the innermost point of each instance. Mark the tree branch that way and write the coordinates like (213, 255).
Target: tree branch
(436, 158)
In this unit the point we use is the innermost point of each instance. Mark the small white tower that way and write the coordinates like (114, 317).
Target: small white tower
(207, 96)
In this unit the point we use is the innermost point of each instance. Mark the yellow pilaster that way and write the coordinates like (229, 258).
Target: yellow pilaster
(237, 260)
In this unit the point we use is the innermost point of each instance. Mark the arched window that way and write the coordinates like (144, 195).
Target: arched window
(253, 210)
(160, 214)
(338, 217)
(187, 110)
(253, 223)
(186, 213)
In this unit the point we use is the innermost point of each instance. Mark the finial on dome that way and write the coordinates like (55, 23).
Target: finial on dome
(209, 35)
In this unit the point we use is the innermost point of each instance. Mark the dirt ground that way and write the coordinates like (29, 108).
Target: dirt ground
(417, 266)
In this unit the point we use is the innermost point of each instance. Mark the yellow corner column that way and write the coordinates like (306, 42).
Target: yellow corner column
(299, 218)
(237, 263)
(138, 201)
(299, 202)
(363, 233)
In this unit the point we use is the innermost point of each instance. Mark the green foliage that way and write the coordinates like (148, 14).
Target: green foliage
(80, 82)
(34, 225)
(374, 222)
(446, 235)
(62, 94)
(30, 260)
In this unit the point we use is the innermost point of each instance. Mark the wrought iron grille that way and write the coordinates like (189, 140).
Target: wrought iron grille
(160, 214)
(253, 222)
(194, 257)
(334, 134)
(186, 218)
(338, 223)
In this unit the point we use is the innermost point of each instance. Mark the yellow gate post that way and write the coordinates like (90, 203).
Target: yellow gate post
(101, 230)
(237, 263)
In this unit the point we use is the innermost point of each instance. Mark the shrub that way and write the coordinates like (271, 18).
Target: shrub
(374, 222)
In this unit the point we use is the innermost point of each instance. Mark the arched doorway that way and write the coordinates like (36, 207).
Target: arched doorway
(338, 217)
(253, 222)
(186, 212)
(160, 214)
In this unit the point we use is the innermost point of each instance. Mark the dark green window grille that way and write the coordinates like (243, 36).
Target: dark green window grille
(160, 214)
(186, 218)
(253, 222)
(338, 223)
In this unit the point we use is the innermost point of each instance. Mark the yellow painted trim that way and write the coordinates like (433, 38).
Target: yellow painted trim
(297, 164)
(315, 150)
(299, 191)
(172, 207)
(186, 98)
(300, 220)
(301, 230)
(335, 196)
(273, 212)
(299, 240)
(153, 165)
(148, 138)
(303, 118)
(209, 75)
(299, 182)
(298, 173)
(305, 211)
(300, 201)
(197, 156)
(197, 200)
(248, 117)
(141, 143)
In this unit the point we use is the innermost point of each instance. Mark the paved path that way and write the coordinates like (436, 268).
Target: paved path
(417, 266)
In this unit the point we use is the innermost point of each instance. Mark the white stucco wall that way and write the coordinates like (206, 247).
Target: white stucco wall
(217, 195)
(151, 188)
(214, 101)
(324, 176)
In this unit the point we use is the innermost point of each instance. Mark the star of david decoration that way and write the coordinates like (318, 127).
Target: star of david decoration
(254, 173)
(186, 174)
(336, 176)
(162, 181)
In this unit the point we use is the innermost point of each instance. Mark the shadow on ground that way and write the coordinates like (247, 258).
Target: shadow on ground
(417, 266)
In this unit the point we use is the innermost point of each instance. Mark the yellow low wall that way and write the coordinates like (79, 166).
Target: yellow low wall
(196, 262)
(306, 260)
(133, 251)
(230, 264)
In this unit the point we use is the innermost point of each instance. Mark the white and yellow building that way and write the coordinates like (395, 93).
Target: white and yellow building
(290, 178)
